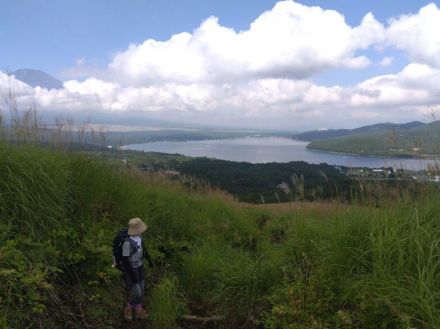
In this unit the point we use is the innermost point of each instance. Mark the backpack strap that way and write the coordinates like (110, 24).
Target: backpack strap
(132, 244)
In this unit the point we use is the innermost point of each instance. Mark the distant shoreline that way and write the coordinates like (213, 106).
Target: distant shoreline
(401, 156)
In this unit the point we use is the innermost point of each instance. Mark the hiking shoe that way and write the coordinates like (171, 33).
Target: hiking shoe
(140, 314)
(128, 313)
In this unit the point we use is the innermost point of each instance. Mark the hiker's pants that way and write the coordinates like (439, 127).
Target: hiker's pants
(135, 286)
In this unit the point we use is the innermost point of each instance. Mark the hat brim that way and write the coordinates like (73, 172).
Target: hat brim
(142, 227)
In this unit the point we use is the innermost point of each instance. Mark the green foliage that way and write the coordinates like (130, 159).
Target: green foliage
(371, 269)
(249, 182)
(417, 141)
(21, 282)
(167, 304)
(242, 280)
(198, 273)
(356, 268)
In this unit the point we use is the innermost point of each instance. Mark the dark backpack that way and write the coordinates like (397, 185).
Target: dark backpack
(118, 241)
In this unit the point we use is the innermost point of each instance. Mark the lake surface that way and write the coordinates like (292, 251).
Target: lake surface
(273, 149)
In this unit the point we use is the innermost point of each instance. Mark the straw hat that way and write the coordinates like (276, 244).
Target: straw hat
(136, 226)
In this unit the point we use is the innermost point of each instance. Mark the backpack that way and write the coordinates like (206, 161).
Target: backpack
(118, 241)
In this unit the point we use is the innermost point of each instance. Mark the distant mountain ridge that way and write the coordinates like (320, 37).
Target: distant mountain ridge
(37, 78)
(412, 139)
(314, 135)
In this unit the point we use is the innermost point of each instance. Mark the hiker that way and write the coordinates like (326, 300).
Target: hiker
(131, 264)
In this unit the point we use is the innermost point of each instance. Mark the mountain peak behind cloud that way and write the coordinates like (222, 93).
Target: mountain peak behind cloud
(37, 78)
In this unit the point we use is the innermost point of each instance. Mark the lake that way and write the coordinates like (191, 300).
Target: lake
(273, 149)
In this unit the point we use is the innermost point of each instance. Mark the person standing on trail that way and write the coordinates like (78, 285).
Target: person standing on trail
(132, 266)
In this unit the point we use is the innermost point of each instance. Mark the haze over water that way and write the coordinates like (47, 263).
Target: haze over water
(273, 149)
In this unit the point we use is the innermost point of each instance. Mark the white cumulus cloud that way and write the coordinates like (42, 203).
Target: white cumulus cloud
(414, 85)
(263, 73)
(418, 35)
(290, 41)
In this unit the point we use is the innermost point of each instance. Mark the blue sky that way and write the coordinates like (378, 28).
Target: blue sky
(51, 34)
(299, 65)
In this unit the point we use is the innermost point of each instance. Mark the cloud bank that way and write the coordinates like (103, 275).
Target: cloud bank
(291, 41)
(265, 73)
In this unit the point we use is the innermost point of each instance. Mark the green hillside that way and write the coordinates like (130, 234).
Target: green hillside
(414, 142)
(321, 134)
(248, 182)
(297, 267)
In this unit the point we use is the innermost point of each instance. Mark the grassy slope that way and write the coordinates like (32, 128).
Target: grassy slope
(343, 267)
(389, 143)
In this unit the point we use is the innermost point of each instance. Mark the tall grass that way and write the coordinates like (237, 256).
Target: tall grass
(25, 126)
(365, 268)
(166, 304)
(406, 260)
(357, 267)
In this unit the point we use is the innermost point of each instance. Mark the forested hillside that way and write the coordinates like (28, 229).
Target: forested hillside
(323, 134)
(419, 141)
(272, 182)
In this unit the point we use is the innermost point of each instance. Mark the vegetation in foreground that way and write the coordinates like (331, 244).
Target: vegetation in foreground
(357, 267)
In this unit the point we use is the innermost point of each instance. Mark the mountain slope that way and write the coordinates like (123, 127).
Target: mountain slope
(314, 135)
(416, 141)
(37, 78)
